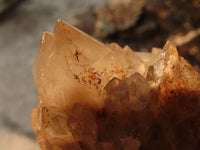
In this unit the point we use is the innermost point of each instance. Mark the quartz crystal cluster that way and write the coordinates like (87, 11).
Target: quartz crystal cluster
(97, 97)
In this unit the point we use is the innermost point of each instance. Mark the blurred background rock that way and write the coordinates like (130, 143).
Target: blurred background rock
(140, 24)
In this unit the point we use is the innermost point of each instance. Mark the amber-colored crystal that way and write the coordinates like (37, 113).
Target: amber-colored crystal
(94, 97)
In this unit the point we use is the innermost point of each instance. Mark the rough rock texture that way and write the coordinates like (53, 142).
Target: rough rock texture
(94, 97)
(117, 15)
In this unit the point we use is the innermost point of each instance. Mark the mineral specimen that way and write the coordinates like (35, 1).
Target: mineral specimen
(94, 97)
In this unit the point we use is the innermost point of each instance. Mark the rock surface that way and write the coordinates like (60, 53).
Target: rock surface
(117, 15)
